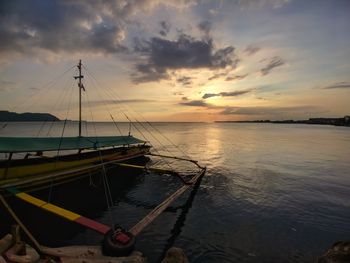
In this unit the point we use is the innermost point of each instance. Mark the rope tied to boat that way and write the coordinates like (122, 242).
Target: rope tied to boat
(107, 189)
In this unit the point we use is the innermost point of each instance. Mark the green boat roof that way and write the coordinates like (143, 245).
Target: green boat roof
(34, 144)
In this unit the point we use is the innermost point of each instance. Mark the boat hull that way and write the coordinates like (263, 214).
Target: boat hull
(19, 170)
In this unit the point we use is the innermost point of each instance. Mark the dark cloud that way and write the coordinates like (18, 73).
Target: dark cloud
(205, 27)
(222, 58)
(145, 73)
(217, 75)
(194, 103)
(70, 26)
(165, 28)
(185, 80)
(226, 94)
(184, 98)
(185, 52)
(234, 93)
(273, 63)
(237, 77)
(141, 45)
(251, 50)
(225, 74)
(268, 110)
(260, 3)
(63, 26)
(339, 85)
(209, 95)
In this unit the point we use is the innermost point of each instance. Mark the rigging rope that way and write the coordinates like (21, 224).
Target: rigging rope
(110, 114)
(36, 92)
(52, 109)
(60, 143)
(120, 107)
(141, 133)
(107, 190)
(152, 126)
(50, 84)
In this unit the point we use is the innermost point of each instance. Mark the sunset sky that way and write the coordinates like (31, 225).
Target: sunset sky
(177, 60)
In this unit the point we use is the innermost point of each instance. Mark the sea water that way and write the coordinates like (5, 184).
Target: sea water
(271, 193)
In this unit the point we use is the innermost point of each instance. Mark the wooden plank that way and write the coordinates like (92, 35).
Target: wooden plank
(30, 199)
(47, 206)
(136, 229)
(5, 243)
(98, 227)
(60, 211)
(69, 215)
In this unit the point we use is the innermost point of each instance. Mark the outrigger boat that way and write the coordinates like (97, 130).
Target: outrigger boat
(82, 151)
(97, 150)
(83, 154)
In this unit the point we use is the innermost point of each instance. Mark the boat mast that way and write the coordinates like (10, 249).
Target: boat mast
(80, 85)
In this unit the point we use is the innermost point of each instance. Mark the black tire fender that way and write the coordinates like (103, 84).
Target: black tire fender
(111, 247)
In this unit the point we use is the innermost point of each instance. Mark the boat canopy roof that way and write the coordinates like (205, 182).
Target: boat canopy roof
(35, 144)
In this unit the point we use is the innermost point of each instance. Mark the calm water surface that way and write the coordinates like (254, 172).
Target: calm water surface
(272, 192)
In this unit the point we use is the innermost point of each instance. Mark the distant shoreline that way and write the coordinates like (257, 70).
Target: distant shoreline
(7, 116)
(345, 121)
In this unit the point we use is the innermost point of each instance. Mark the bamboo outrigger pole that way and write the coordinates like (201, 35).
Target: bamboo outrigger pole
(99, 227)
(136, 229)
(177, 158)
(156, 170)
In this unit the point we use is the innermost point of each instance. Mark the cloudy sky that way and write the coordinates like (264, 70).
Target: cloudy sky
(177, 60)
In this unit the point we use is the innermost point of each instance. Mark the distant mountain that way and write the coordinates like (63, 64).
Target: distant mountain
(7, 116)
